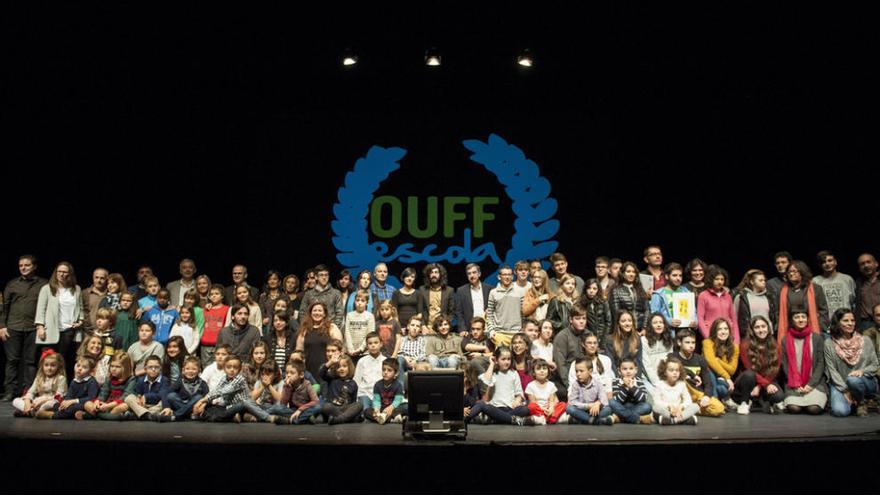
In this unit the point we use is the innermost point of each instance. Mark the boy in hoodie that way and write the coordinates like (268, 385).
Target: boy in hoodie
(504, 309)
(163, 316)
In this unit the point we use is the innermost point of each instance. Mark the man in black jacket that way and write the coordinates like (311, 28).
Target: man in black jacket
(471, 299)
(17, 329)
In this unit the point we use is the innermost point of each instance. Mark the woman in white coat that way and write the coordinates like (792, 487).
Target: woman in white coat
(60, 314)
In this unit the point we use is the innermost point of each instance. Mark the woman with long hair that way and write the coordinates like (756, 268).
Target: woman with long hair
(852, 365)
(315, 332)
(757, 384)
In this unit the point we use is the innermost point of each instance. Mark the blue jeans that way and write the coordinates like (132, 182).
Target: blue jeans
(182, 408)
(721, 390)
(860, 388)
(286, 412)
(583, 416)
(629, 412)
(448, 362)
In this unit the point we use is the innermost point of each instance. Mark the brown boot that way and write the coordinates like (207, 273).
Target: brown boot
(647, 419)
(45, 415)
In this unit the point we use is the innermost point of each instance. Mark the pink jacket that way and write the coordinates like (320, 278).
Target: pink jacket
(710, 307)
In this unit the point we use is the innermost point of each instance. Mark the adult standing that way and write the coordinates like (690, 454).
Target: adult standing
(60, 313)
(695, 271)
(380, 289)
(438, 298)
(471, 298)
(560, 270)
(839, 288)
(407, 299)
(629, 295)
(326, 294)
(239, 277)
(93, 295)
(781, 260)
(17, 328)
(800, 293)
(140, 289)
(753, 299)
(867, 289)
(653, 257)
(504, 310)
(187, 282)
(272, 291)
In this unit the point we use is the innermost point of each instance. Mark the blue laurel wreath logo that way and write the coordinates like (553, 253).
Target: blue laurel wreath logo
(534, 226)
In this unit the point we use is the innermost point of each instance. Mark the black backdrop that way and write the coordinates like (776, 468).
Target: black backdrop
(223, 136)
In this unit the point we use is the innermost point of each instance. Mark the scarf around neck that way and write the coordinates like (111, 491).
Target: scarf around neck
(799, 378)
(850, 350)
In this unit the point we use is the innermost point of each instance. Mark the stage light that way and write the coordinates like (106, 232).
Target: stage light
(432, 57)
(349, 58)
(525, 59)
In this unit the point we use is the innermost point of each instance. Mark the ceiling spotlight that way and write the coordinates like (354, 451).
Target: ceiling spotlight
(349, 58)
(432, 57)
(525, 58)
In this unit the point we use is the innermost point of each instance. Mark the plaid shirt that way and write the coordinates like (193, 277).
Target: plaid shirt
(381, 293)
(413, 348)
(229, 391)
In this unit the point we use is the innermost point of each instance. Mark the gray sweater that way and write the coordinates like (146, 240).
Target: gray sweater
(504, 310)
(838, 369)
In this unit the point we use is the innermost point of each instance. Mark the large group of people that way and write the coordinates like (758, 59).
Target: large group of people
(664, 345)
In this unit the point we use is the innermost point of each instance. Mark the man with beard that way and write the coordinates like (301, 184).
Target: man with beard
(439, 298)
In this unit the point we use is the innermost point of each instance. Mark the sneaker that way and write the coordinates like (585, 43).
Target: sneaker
(313, 420)
(690, 421)
(614, 418)
(607, 420)
(145, 417)
(250, 418)
(862, 410)
(730, 404)
(279, 420)
(780, 407)
(236, 418)
(482, 419)
(539, 420)
(381, 418)
(663, 420)
(744, 408)
(564, 419)
(526, 421)
(647, 419)
(397, 419)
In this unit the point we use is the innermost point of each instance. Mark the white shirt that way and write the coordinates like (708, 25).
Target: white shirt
(541, 351)
(477, 298)
(213, 376)
(542, 393)
(67, 303)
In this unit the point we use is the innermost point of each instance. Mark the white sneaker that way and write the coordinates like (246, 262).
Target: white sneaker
(563, 420)
(382, 418)
(744, 408)
(731, 405)
(539, 420)
(397, 419)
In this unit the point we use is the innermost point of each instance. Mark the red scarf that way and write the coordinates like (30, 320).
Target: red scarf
(799, 378)
(812, 312)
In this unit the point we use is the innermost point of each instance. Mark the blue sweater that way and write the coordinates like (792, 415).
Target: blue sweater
(154, 393)
(83, 391)
(180, 389)
(164, 320)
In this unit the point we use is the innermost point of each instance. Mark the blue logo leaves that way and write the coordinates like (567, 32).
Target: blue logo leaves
(534, 226)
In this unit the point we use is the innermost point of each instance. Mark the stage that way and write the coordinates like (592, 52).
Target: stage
(732, 439)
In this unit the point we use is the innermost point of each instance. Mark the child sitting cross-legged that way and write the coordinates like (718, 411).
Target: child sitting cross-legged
(387, 396)
(587, 399)
(299, 402)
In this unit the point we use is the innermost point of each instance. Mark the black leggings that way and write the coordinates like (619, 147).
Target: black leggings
(813, 410)
(742, 390)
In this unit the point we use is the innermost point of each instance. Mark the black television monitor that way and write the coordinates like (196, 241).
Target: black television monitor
(435, 403)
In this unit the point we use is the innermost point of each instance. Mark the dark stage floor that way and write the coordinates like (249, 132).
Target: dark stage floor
(610, 452)
(732, 428)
